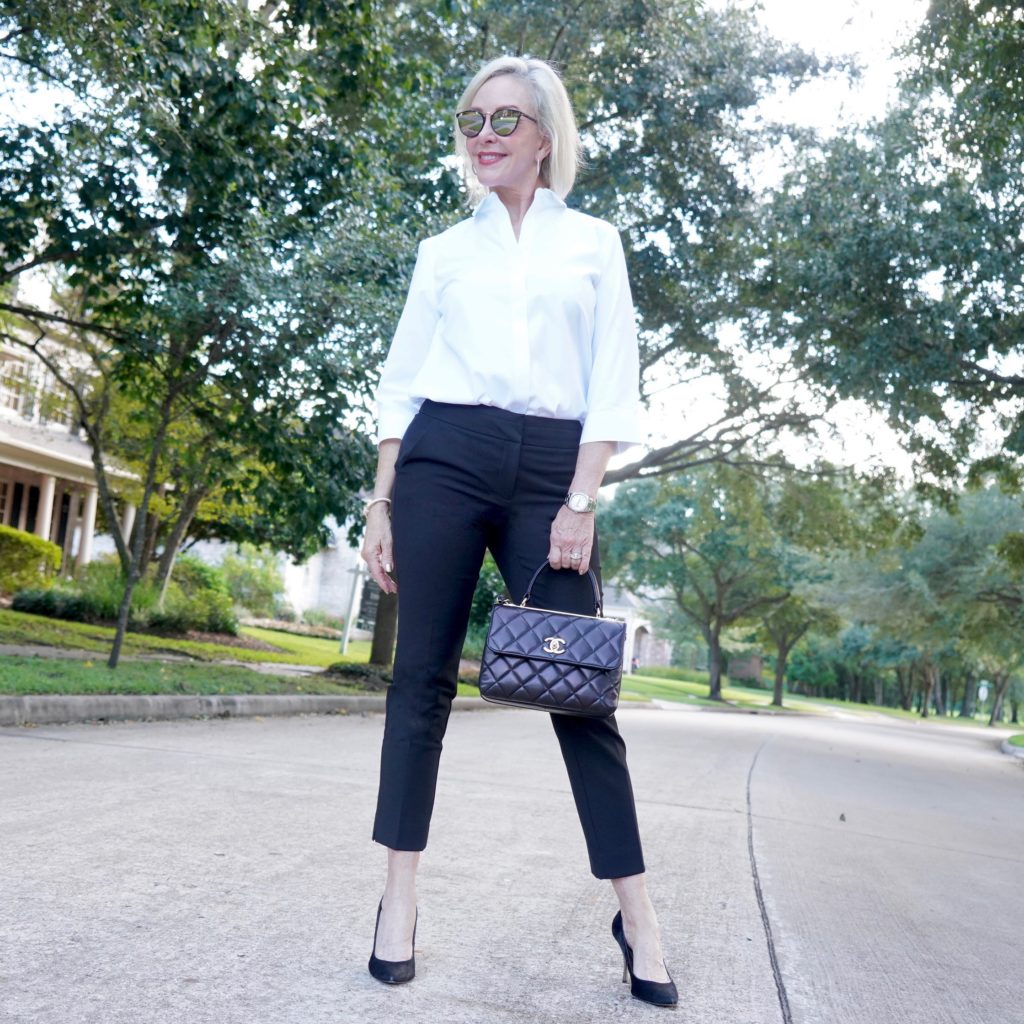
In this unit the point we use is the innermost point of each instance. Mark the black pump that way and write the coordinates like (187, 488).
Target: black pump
(393, 972)
(660, 993)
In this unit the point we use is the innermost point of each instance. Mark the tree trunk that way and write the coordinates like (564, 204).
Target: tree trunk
(1002, 684)
(714, 666)
(858, 686)
(904, 680)
(167, 557)
(782, 656)
(879, 691)
(967, 705)
(929, 674)
(939, 692)
(136, 564)
(385, 629)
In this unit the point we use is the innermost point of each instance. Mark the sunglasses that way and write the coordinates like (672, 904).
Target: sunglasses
(503, 122)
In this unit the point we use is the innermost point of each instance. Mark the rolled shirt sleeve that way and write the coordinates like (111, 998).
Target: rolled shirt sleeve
(613, 403)
(396, 406)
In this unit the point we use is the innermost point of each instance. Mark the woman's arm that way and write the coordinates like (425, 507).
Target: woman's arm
(377, 551)
(574, 531)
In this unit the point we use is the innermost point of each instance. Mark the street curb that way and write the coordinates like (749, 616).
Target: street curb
(1008, 748)
(67, 709)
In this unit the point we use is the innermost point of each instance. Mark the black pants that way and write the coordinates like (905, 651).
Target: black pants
(471, 478)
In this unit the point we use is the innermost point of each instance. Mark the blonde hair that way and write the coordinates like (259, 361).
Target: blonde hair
(555, 118)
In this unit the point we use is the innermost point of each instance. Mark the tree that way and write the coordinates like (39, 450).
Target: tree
(784, 625)
(947, 598)
(198, 193)
(703, 538)
(889, 266)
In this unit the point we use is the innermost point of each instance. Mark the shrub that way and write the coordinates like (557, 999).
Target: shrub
(25, 560)
(319, 617)
(195, 576)
(211, 611)
(55, 602)
(254, 580)
(96, 597)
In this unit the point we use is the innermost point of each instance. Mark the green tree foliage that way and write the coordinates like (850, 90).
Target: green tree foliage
(947, 606)
(200, 194)
(889, 266)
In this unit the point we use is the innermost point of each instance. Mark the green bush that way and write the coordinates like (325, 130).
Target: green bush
(195, 576)
(254, 580)
(319, 617)
(55, 602)
(25, 560)
(96, 597)
(211, 611)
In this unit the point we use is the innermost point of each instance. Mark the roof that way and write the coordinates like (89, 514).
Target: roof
(49, 449)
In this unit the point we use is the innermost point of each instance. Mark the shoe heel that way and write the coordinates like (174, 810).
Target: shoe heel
(625, 971)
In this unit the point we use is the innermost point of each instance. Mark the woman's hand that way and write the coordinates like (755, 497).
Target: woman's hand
(572, 533)
(377, 550)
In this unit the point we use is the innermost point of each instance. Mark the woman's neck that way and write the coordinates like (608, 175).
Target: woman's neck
(517, 202)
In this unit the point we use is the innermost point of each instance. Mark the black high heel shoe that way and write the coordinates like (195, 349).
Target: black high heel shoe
(660, 993)
(393, 972)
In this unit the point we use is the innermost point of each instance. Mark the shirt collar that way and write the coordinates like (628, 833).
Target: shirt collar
(543, 199)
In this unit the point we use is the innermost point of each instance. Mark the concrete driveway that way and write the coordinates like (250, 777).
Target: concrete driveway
(819, 871)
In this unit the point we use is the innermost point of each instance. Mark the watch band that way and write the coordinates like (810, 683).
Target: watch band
(578, 501)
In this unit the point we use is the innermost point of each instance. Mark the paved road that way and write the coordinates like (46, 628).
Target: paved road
(220, 871)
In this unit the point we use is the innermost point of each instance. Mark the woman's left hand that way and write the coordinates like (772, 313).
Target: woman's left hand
(572, 533)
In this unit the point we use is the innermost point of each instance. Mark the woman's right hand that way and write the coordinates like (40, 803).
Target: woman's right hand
(377, 548)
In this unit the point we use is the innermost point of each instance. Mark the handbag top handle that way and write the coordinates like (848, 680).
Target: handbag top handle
(598, 602)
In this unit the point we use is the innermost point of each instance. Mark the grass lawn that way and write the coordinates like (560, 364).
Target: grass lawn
(19, 628)
(695, 693)
(55, 675)
(1017, 741)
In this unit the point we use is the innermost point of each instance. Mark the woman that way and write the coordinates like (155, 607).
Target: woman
(511, 380)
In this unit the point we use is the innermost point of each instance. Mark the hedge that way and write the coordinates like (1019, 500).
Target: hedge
(25, 560)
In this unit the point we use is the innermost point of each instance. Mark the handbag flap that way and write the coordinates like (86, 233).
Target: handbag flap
(556, 636)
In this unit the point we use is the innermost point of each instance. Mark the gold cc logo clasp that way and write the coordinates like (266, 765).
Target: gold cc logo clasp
(554, 645)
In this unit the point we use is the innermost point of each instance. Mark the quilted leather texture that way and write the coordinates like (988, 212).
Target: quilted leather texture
(554, 661)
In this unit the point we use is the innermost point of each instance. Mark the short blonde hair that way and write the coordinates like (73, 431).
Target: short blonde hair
(555, 118)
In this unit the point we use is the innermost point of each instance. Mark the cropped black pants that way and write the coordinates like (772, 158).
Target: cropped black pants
(468, 479)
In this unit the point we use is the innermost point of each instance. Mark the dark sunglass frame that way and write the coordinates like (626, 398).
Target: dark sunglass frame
(501, 113)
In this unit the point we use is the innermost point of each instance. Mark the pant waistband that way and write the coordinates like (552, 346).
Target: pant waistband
(541, 431)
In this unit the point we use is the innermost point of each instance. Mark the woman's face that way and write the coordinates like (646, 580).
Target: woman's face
(507, 162)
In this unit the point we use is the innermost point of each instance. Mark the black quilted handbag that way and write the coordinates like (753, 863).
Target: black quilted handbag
(553, 661)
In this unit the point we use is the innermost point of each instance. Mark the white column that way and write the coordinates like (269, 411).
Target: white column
(127, 521)
(88, 528)
(44, 514)
(58, 500)
(23, 514)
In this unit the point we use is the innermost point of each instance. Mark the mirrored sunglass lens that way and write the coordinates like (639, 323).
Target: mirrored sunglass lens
(504, 121)
(470, 122)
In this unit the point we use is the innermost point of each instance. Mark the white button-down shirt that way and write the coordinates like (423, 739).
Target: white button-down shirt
(543, 325)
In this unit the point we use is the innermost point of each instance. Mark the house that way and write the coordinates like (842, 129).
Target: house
(47, 477)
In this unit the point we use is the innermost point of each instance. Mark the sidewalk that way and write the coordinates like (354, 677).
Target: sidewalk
(220, 872)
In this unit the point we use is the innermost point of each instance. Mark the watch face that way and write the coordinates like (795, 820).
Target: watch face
(579, 502)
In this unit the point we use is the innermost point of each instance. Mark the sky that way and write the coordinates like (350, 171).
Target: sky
(869, 31)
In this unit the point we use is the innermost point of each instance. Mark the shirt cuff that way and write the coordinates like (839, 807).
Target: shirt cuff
(614, 425)
(394, 420)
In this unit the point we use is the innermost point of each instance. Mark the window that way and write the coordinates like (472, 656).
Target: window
(4, 488)
(31, 391)
(15, 385)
